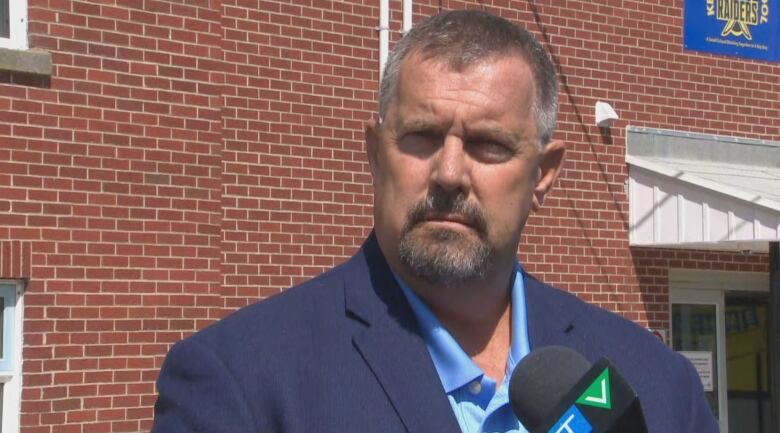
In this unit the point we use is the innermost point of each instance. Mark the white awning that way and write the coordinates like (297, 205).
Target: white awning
(702, 191)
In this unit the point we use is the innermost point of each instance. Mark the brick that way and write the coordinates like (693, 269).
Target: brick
(187, 160)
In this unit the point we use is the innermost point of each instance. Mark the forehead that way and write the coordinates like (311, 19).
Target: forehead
(498, 88)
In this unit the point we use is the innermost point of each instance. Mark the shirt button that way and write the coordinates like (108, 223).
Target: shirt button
(475, 387)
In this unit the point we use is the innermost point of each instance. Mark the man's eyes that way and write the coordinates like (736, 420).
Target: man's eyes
(486, 149)
(489, 151)
(430, 136)
(420, 142)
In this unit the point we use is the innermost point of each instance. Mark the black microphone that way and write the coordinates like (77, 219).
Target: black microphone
(555, 390)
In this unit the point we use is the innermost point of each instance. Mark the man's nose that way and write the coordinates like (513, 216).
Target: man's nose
(451, 169)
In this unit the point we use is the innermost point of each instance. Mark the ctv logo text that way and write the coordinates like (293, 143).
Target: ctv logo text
(572, 421)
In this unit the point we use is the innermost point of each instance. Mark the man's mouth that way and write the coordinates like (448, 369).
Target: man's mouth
(448, 219)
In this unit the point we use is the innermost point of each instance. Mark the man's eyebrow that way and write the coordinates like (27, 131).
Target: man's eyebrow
(498, 134)
(417, 125)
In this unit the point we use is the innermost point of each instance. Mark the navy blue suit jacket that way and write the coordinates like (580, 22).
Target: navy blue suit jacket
(341, 353)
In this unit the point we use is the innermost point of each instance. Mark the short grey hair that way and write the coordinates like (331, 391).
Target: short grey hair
(462, 38)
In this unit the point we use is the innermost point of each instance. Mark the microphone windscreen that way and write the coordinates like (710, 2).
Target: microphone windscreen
(541, 379)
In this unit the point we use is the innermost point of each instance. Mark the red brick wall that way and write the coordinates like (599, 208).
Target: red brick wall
(188, 158)
(301, 81)
(113, 176)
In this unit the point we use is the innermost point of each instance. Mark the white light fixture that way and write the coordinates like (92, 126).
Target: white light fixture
(605, 114)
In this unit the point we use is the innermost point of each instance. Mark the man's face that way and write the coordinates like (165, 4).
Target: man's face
(456, 168)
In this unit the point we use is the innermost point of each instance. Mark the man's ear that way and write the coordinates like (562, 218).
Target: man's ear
(549, 167)
(371, 131)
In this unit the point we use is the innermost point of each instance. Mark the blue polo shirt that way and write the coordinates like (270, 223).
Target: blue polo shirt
(478, 403)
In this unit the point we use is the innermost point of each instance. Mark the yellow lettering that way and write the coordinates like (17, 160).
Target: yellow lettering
(764, 11)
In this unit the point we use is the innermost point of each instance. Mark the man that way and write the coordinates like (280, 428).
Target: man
(421, 329)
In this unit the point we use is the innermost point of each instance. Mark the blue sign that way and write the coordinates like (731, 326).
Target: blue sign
(572, 422)
(742, 28)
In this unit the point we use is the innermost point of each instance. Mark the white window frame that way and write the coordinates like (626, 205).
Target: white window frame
(687, 286)
(17, 23)
(11, 374)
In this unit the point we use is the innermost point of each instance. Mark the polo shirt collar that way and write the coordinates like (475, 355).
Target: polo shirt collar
(454, 366)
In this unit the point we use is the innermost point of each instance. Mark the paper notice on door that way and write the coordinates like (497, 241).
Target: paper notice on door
(702, 362)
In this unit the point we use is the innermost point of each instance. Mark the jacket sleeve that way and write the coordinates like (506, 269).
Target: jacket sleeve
(700, 418)
(197, 393)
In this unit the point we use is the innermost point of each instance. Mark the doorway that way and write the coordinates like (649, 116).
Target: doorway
(724, 331)
(747, 339)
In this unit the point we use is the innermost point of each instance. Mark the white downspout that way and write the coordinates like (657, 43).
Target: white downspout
(384, 30)
(407, 16)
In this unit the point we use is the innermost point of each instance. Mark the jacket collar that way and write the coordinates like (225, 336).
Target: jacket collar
(371, 293)
(391, 345)
(550, 313)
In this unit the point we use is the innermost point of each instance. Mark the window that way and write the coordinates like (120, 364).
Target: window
(10, 354)
(13, 24)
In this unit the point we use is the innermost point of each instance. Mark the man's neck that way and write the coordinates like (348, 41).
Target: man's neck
(477, 315)
(486, 341)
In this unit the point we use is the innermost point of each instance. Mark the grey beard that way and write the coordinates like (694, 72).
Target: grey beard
(444, 257)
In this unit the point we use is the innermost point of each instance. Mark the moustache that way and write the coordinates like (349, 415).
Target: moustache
(447, 205)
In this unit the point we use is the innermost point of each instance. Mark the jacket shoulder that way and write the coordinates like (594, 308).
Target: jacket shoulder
(278, 321)
(667, 384)
(601, 329)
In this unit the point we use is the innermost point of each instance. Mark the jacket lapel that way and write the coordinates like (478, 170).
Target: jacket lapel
(392, 347)
(550, 321)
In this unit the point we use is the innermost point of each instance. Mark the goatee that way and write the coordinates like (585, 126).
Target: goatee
(440, 255)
